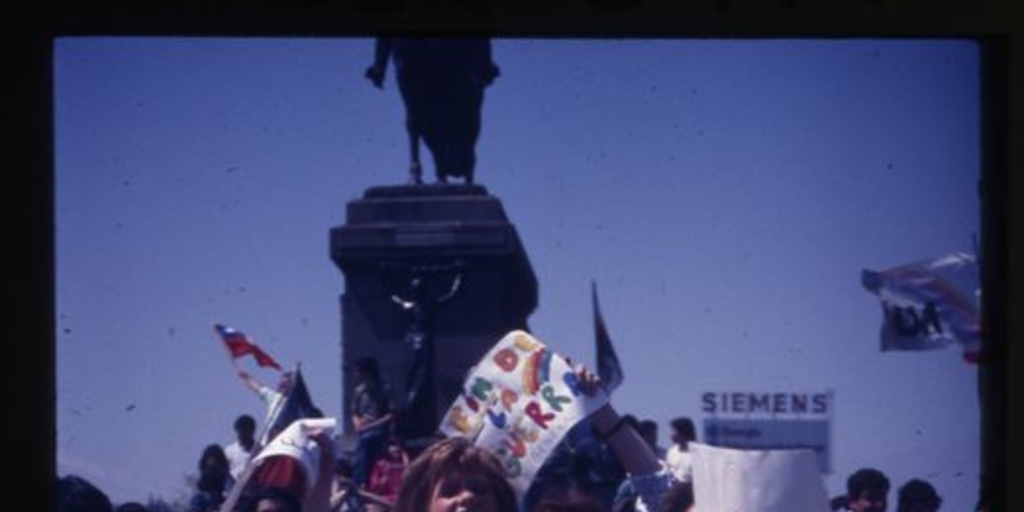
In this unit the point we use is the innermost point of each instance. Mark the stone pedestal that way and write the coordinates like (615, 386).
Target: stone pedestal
(391, 231)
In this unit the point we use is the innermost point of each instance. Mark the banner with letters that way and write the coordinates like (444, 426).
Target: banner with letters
(519, 402)
(929, 304)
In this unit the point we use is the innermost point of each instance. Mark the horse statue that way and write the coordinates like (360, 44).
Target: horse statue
(442, 83)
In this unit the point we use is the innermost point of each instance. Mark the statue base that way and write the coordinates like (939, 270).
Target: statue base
(394, 230)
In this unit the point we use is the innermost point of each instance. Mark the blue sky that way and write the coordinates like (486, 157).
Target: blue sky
(724, 194)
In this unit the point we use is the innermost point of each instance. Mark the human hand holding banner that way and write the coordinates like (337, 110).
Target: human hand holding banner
(519, 402)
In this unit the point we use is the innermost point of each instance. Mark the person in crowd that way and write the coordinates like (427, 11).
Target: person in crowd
(678, 456)
(344, 495)
(214, 480)
(209, 493)
(678, 498)
(386, 477)
(453, 475)
(917, 496)
(214, 460)
(556, 474)
(372, 418)
(76, 494)
(649, 431)
(625, 499)
(593, 466)
(273, 397)
(867, 490)
(240, 450)
(579, 464)
(646, 473)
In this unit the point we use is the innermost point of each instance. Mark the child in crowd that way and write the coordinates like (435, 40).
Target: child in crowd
(451, 475)
(386, 477)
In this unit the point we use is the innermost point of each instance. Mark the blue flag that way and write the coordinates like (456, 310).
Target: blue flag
(929, 304)
(608, 367)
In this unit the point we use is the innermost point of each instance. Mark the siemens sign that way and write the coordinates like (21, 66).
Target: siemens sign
(770, 421)
(765, 403)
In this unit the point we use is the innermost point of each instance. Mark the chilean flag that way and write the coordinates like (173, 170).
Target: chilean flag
(239, 345)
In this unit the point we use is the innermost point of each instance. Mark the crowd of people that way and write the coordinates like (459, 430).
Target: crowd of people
(607, 463)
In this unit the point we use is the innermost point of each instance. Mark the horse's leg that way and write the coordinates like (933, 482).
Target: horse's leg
(413, 123)
(415, 169)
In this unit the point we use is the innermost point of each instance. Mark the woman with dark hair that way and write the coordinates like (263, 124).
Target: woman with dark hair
(386, 477)
(214, 480)
(214, 458)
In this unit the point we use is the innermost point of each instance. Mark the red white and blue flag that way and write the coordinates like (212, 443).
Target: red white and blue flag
(929, 304)
(239, 345)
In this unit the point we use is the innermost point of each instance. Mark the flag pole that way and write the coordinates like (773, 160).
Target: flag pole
(250, 466)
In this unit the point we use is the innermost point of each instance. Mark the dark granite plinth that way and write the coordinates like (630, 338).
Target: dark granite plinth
(392, 230)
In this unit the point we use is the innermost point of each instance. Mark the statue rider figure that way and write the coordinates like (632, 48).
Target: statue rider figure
(442, 83)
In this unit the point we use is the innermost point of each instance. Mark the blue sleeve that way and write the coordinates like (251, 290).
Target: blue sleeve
(650, 487)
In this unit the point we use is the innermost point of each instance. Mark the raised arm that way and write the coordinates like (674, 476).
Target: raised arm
(629, 448)
(361, 425)
(649, 477)
(250, 381)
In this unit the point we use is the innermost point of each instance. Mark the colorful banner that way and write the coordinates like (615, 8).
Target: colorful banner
(929, 304)
(757, 480)
(519, 402)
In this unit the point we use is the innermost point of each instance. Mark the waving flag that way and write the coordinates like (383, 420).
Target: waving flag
(239, 345)
(929, 304)
(608, 367)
